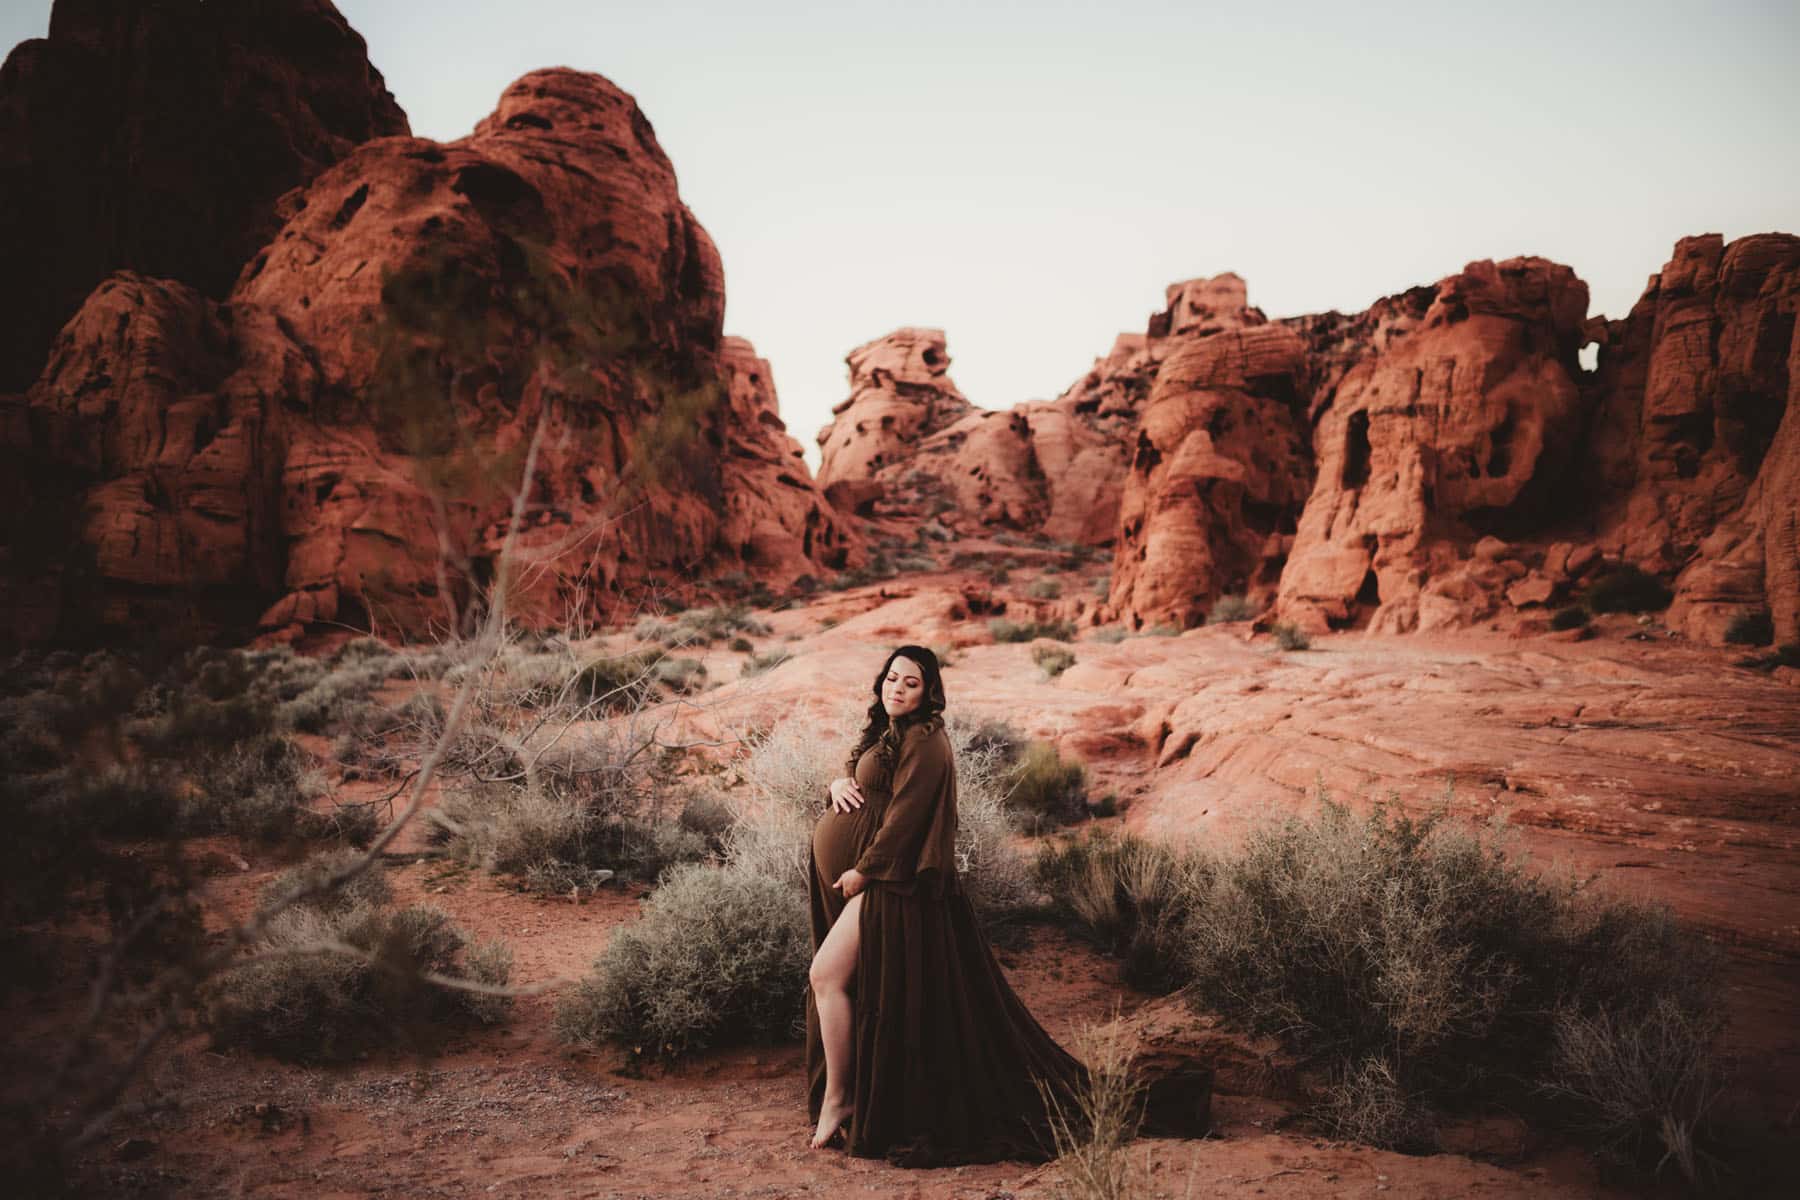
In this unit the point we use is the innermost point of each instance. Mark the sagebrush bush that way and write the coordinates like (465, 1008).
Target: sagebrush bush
(1044, 589)
(328, 982)
(1004, 630)
(1290, 637)
(1131, 896)
(1110, 634)
(1429, 946)
(701, 626)
(1230, 607)
(1053, 660)
(719, 957)
(1045, 790)
(1627, 588)
(756, 664)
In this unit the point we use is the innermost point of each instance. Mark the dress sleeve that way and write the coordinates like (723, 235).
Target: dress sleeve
(920, 777)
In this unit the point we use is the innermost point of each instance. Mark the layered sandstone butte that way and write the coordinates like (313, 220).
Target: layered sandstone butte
(156, 138)
(339, 442)
(900, 394)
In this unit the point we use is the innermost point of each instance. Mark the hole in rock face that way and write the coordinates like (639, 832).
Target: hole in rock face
(932, 357)
(502, 197)
(1147, 456)
(1370, 591)
(527, 120)
(1589, 357)
(1356, 451)
(350, 207)
(1500, 449)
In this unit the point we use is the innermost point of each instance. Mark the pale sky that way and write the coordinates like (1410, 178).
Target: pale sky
(1029, 176)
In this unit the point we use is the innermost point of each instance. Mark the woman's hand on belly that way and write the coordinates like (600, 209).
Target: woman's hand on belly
(845, 794)
(850, 882)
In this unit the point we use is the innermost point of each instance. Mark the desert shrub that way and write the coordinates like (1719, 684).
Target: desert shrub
(368, 888)
(1045, 790)
(999, 739)
(327, 983)
(1572, 616)
(1004, 630)
(1054, 660)
(701, 625)
(1750, 629)
(115, 799)
(1367, 1103)
(756, 664)
(1640, 1085)
(1092, 1136)
(1044, 589)
(1161, 629)
(742, 645)
(1290, 637)
(1627, 588)
(1129, 896)
(719, 957)
(681, 675)
(616, 682)
(1230, 607)
(1110, 634)
(706, 814)
(261, 788)
(1416, 960)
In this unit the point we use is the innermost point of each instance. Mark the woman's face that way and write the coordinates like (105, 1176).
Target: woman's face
(903, 687)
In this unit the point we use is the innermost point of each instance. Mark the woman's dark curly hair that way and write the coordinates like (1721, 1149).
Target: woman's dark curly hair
(885, 735)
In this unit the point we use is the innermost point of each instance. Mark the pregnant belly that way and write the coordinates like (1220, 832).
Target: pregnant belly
(838, 842)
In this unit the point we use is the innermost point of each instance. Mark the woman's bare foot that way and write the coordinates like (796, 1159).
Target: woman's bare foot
(831, 1118)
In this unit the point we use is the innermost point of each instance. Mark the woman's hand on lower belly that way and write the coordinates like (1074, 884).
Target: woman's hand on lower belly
(850, 882)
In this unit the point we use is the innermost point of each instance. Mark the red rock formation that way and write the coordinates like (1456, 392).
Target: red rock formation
(1218, 467)
(1697, 438)
(900, 394)
(156, 138)
(1461, 428)
(341, 440)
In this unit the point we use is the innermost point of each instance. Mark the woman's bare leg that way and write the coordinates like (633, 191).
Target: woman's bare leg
(832, 968)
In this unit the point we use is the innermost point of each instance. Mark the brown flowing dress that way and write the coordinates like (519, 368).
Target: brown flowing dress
(944, 1052)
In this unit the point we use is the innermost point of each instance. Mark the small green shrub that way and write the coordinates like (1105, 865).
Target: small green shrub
(682, 676)
(1046, 790)
(742, 645)
(1228, 608)
(1572, 616)
(1110, 634)
(718, 958)
(1044, 589)
(756, 664)
(1290, 637)
(1054, 660)
(1627, 589)
(1750, 629)
(1004, 630)
(1128, 895)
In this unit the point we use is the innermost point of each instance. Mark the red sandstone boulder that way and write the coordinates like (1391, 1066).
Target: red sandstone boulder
(156, 138)
(342, 440)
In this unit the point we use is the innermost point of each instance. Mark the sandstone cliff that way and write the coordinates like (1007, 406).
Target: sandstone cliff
(338, 442)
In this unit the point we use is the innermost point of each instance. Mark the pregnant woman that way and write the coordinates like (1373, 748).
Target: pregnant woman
(917, 1048)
